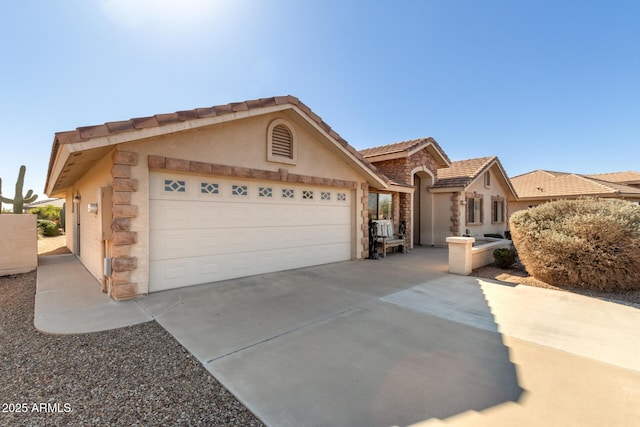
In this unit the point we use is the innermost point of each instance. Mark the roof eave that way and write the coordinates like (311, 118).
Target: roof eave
(61, 150)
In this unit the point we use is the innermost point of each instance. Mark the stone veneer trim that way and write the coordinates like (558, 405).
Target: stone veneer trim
(122, 210)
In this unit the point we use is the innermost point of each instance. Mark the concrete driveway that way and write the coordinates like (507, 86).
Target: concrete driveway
(401, 342)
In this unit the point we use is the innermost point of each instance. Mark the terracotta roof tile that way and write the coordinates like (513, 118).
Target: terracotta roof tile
(67, 137)
(89, 132)
(254, 103)
(462, 172)
(406, 146)
(165, 119)
(206, 112)
(239, 106)
(619, 177)
(391, 148)
(145, 122)
(544, 184)
(187, 115)
(267, 102)
(121, 126)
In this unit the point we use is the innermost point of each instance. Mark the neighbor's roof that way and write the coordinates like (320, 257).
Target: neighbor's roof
(112, 133)
(627, 177)
(463, 173)
(405, 149)
(542, 184)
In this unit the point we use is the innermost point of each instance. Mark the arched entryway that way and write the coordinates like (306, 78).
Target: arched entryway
(422, 214)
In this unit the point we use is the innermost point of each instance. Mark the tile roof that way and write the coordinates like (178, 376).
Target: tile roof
(398, 147)
(462, 172)
(86, 133)
(542, 184)
(626, 177)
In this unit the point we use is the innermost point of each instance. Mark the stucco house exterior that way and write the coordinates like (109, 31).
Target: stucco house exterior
(472, 199)
(210, 194)
(541, 186)
(413, 167)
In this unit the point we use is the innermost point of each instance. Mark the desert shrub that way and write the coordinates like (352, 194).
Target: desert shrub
(48, 228)
(49, 212)
(504, 257)
(588, 243)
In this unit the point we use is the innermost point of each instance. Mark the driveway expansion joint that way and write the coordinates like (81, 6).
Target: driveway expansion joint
(288, 332)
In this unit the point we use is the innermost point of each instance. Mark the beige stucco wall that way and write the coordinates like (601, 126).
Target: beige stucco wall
(495, 189)
(91, 244)
(240, 143)
(19, 244)
(442, 218)
(443, 213)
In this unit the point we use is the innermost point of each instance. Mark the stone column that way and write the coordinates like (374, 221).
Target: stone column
(460, 255)
(123, 238)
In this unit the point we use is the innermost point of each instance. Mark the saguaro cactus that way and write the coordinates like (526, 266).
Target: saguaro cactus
(19, 200)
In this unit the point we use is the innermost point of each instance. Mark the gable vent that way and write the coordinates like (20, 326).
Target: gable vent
(282, 142)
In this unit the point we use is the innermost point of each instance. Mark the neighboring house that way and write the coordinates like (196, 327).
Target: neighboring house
(630, 178)
(471, 198)
(210, 194)
(409, 165)
(542, 186)
(58, 203)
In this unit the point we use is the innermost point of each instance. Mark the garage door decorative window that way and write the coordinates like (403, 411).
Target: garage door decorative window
(239, 190)
(307, 194)
(265, 192)
(325, 195)
(208, 188)
(342, 197)
(174, 185)
(287, 193)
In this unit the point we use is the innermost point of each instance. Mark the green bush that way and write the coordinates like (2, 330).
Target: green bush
(49, 212)
(588, 243)
(48, 228)
(504, 257)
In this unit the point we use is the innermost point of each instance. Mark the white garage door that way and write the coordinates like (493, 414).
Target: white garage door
(205, 229)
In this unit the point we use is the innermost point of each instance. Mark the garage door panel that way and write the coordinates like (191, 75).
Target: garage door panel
(168, 274)
(206, 229)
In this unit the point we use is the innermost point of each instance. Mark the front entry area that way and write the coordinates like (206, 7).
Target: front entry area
(422, 209)
(205, 229)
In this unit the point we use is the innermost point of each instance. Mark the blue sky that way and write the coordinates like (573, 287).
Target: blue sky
(541, 84)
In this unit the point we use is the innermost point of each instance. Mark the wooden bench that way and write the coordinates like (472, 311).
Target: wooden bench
(386, 238)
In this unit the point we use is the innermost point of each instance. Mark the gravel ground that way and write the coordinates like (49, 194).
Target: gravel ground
(135, 376)
(53, 245)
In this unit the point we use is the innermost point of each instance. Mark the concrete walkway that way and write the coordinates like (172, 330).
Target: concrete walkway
(69, 301)
(390, 342)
